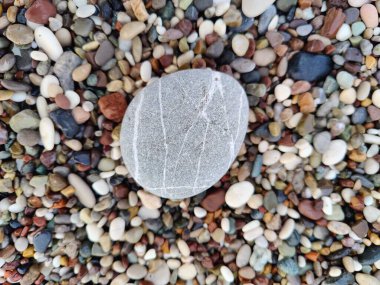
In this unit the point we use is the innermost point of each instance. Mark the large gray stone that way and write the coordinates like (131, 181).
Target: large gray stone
(182, 132)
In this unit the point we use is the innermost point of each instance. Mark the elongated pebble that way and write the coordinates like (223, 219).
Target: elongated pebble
(117, 228)
(47, 133)
(48, 42)
(287, 229)
(146, 71)
(227, 273)
(131, 29)
(42, 107)
(39, 55)
(82, 191)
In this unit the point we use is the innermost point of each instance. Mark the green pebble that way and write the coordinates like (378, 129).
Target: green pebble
(355, 41)
(345, 79)
(376, 49)
(92, 80)
(357, 28)
(330, 85)
(184, 4)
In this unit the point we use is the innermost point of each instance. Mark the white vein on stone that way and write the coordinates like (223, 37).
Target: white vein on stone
(200, 157)
(232, 142)
(204, 99)
(176, 187)
(135, 135)
(242, 94)
(204, 114)
(164, 133)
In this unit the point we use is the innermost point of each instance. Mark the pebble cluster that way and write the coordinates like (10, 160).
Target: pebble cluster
(299, 205)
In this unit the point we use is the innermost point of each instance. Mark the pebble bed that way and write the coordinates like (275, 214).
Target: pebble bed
(299, 205)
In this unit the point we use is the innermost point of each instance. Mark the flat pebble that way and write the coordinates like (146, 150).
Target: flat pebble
(136, 272)
(82, 191)
(254, 8)
(187, 271)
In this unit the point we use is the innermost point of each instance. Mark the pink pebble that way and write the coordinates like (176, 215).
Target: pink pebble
(369, 15)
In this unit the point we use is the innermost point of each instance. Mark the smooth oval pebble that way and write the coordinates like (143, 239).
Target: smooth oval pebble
(39, 55)
(369, 15)
(190, 153)
(335, 153)
(85, 11)
(47, 41)
(187, 271)
(117, 228)
(238, 194)
(46, 82)
(82, 191)
(366, 279)
(240, 44)
(81, 72)
(131, 29)
(254, 8)
(7, 62)
(136, 271)
(227, 273)
(101, 187)
(47, 133)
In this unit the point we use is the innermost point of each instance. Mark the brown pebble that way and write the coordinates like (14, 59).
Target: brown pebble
(62, 101)
(48, 158)
(113, 106)
(213, 200)
(374, 113)
(360, 228)
(40, 12)
(306, 103)
(311, 209)
(315, 46)
(185, 26)
(333, 21)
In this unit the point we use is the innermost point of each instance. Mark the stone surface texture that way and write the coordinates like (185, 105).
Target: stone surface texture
(182, 132)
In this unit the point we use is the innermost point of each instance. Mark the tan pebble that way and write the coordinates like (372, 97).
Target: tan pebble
(131, 29)
(5, 95)
(64, 37)
(114, 85)
(240, 44)
(73, 144)
(139, 10)
(53, 90)
(81, 72)
(12, 13)
(93, 45)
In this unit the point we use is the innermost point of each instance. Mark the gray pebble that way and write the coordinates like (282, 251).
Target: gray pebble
(321, 141)
(265, 19)
(178, 144)
(63, 68)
